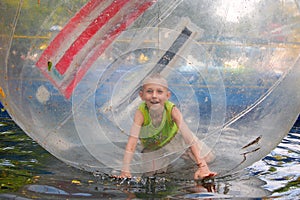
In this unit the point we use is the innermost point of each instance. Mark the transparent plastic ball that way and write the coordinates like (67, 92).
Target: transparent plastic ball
(71, 73)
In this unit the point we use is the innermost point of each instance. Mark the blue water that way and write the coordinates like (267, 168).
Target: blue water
(42, 176)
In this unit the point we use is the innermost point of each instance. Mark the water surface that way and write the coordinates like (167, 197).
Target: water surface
(30, 172)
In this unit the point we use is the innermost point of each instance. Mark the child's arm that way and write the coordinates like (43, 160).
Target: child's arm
(189, 138)
(131, 144)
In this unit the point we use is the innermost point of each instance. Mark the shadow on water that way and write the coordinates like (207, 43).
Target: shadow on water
(29, 172)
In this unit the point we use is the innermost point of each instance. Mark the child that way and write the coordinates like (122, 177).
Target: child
(163, 120)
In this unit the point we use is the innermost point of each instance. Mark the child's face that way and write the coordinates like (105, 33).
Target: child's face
(154, 94)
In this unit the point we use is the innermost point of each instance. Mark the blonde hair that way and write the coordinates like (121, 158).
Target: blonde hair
(155, 79)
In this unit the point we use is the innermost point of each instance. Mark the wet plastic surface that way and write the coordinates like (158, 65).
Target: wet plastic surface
(232, 68)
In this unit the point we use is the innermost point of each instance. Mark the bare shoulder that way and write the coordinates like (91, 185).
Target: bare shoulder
(176, 115)
(138, 118)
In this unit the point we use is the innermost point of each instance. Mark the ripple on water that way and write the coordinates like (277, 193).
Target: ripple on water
(281, 168)
(275, 175)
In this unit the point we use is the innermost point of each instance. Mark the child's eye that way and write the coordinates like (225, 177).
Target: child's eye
(160, 91)
(149, 91)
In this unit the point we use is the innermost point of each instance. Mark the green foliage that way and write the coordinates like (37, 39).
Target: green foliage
(34, 20)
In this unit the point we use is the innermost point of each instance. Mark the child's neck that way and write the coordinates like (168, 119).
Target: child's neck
(156, 114)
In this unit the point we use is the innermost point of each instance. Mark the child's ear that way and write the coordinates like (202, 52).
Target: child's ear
(169, 94)
(141, 94)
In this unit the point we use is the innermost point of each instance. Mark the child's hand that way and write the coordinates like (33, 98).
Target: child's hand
(204, 172)
(125, 175)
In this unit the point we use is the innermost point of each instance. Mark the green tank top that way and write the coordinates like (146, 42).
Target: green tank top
(153, 138)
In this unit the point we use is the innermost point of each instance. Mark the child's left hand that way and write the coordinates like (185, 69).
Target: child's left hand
(125, 175)
(203, 172)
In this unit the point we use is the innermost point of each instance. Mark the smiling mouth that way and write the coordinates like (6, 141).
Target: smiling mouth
(156, 107)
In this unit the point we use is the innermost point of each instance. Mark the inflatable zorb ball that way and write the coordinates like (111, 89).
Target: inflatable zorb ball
(71, 73)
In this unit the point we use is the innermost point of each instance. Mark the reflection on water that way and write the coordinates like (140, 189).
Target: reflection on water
(281, 168)
(30, 172)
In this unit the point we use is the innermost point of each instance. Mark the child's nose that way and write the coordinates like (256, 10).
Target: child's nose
(154, 94)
